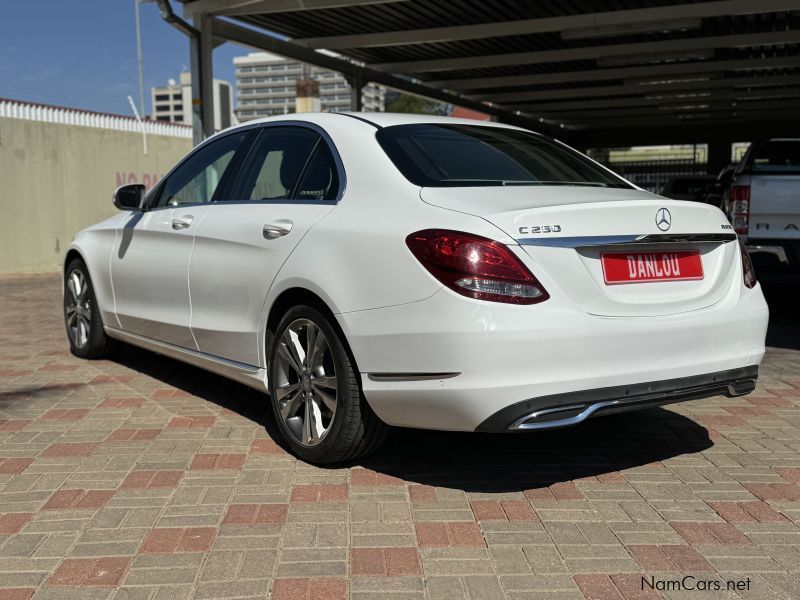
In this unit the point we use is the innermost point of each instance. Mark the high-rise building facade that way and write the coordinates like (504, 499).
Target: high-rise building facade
(173, 102)
(266, 85)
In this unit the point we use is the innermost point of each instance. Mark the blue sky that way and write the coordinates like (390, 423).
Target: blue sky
(82, 53)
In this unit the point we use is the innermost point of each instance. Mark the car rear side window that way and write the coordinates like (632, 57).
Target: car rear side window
(276, 162)
(320, 181)
(777, 156)
(446, 155)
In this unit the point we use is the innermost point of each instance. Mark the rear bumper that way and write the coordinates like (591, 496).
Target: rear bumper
(564, 410)
(451, 363)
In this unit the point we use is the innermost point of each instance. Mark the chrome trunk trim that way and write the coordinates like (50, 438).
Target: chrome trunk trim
(612, 240)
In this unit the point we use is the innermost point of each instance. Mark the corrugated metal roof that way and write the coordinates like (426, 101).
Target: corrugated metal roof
(736, 69)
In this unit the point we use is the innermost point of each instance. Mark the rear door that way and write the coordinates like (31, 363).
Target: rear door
(291, 178)
(150, 262)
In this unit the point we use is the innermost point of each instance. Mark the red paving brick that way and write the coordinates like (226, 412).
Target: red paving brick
(133, 435)
(265, 447)
(685, 558)
(369, 477)
(83, 572)
(503, 510)
(598, 587)
(557, 491)
(309, 589)
(747, 512)
(73, 414)
(464, 534)
(630, 586)
(69, 450)
(385, 562)
(775, 491)
(718, 421)
(422, 493)
(789, 473)
(121, 403)
(16, 593)
(14, 465)
(13, 523)
(699, 534)
(233, 462)
(14, 424)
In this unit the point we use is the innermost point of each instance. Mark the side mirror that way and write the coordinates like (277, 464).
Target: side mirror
(129, 197)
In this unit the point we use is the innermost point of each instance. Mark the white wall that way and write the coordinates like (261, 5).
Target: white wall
(58, 177)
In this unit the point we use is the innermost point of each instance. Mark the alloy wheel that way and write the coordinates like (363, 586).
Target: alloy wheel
(305, 382)
(78, 308)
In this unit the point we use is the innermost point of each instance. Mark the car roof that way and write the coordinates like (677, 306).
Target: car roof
(379, 119)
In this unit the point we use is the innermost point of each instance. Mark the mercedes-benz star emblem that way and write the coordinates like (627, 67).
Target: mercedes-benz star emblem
(663, 219)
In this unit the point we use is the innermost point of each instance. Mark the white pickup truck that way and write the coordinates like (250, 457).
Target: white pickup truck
(763, 204)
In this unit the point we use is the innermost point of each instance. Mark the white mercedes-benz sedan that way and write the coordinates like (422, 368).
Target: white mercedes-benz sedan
(381, 269)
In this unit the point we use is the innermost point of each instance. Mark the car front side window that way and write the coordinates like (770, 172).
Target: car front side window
(198, 178)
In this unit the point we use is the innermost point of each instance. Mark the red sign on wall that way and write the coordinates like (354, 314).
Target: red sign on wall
(148, 179)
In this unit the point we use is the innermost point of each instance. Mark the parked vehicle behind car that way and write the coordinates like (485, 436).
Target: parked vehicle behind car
(376, 268)
(688, 187)
(717, 190)
(763, 203)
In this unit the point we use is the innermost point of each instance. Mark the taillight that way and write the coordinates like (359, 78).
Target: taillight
(748, 273)
(475, 266)
(740, 207)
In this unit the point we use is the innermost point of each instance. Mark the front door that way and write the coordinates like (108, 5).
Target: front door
(150, 262)
(290, 181)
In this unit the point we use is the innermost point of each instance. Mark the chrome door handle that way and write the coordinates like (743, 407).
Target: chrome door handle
(182, 222)
(277, 229)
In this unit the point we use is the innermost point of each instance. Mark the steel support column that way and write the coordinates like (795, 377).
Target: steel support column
(356, 88)
(197, 93)
(202, 79)
(719, 155)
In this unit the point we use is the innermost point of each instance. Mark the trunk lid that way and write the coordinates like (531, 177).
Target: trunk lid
(562, 231)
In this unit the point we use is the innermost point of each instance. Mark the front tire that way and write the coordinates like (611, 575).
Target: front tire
(315, 393)
(87, 338)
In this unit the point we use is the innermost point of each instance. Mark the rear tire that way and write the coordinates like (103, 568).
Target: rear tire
(87, 338)
(315, 392)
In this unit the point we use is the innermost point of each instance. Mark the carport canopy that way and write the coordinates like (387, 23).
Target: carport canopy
(600, 73)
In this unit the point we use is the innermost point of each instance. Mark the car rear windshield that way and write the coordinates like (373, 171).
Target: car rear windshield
(777, 156)
(444, 155)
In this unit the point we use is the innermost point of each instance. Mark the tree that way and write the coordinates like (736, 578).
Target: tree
(407, 103)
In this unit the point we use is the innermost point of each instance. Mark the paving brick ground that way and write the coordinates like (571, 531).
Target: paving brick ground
(145, 478)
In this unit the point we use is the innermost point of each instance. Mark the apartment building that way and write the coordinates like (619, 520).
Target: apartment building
(173, 102)
(266, 85)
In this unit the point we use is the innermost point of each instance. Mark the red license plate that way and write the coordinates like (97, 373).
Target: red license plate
(641, 267)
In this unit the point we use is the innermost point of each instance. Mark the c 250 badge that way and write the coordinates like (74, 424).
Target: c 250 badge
(540, 229)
